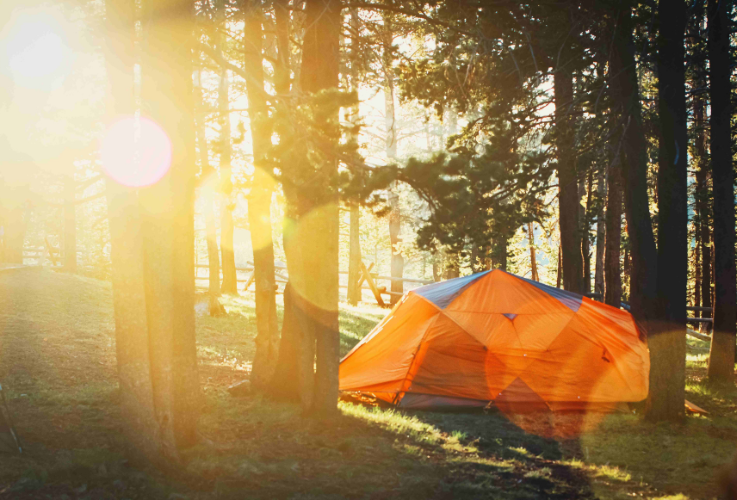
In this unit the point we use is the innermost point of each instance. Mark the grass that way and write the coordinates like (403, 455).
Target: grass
(57, 365)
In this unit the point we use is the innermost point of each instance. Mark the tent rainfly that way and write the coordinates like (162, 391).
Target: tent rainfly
(496, 338)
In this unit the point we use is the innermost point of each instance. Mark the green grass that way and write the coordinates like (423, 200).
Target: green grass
(57, 363)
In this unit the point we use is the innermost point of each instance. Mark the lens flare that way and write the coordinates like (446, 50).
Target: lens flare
(36, 52)
(135, 153)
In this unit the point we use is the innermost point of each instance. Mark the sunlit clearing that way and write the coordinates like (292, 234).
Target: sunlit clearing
(135, 153)
(34, 46)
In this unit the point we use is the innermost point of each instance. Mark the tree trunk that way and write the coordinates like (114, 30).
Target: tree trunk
(668, 348)
(354, 251)
(395, 216)
(586, 234)
(167, 93)
(702, 198)
(601, 190)
(207, 191)
(570, 225)
(722, 353)
(533, 260)
(140, 427)
(626, 97)
(697, 274)
(612, 274)
(259, 202)
(285, 383)
(317, 278)
(70, 225)
(397, 261)
(559, 272)
(452, 266)
(354, 259)
(230, 276)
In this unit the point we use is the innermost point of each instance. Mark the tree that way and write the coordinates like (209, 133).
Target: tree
(354, 252)
(230, 275)
(668, 347)
(722, 353)
(152, 245)
(208, 178)
(167, 97)
(259, 201)
(129, 299)
(613, 277)
(570, 225)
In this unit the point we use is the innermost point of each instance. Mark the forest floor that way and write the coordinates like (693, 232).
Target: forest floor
(57, 369)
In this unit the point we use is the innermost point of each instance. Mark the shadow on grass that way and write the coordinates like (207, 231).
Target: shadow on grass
(536, 467)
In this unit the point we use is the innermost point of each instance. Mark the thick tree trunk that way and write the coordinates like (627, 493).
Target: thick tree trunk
(140, 427)
(285, 383)
(169, 233)
(570, 225)
(559, 273)
(70, 225)
(612, 274)
(601, 191)
(318, 283)
(354, 257)
(533, 259)
(668, 348)
(230, 276)
(626, 97)
(259, 203)
(722, 353)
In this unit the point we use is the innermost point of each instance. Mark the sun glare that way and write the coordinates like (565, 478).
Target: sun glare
(37, 54)
(135, 153)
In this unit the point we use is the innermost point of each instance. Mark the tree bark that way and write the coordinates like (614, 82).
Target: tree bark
(702, 198)
(167, 94)
(140, 427)
(612, 275)
(70, 225)
(316, 266)
(354, 295)
(626, 97)
(259, 202)
(586, 234)
(570, 225)
(722, 353)
(354, 259)
(533, 260)
(668, 348)
(395, 216)
(230, 276)
(601, 190)
(207, 192)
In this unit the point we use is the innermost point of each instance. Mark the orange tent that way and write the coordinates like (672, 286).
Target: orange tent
(494, 337)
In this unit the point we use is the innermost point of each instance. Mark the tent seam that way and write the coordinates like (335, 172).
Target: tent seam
(414, 358)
